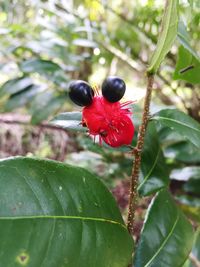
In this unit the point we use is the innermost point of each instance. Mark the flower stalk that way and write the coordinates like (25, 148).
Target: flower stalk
(137, 151)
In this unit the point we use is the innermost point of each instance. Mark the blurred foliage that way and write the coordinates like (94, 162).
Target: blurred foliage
(45, 44)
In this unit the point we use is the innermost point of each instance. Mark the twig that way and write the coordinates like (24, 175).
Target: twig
(137, 151)
(194, 260)
(122, 56)
(7, 119)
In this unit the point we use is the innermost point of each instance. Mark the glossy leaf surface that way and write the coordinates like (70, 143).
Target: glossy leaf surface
(54, 214)
(181, 123)
(166, 237)
(154, 170)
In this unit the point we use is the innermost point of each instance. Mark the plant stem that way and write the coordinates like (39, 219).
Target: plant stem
(194, 260)
(137, 151)
(25, 121)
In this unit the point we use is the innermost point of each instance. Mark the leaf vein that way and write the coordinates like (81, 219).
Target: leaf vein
(163, 243)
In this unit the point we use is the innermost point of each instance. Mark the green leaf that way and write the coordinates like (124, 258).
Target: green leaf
(179, 122)
(69, 121)
(53, 214)
(40, 66)
(22, 98)
(154, 170)
(15, 86)
(167, 35)
(45, 104)
(166, 237)
(184, 39)
(183, 151)
(187, 67)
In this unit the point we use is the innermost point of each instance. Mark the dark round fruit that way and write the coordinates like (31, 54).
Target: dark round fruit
(81, 93)
(113, 88)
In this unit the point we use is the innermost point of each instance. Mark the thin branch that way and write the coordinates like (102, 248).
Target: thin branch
(122, 56)
(194, 260)
(137, 151)
(25, 121)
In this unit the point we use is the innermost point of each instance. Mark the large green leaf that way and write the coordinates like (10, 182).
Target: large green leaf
(154, 174)
(69, 121)
(52, 214)
(181, 123)
(166, 237)
(167, 35)
(187, 67)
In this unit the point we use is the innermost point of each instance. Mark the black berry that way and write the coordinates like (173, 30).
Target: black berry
(81, 93)
(113, 89)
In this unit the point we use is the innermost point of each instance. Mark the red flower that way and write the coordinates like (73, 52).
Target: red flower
(111, 121)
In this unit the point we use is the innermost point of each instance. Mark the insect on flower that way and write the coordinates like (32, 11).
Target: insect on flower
(104, 115)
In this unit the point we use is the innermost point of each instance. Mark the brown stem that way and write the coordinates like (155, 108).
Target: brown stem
(137, 151)
(194, 260)
(24, 120)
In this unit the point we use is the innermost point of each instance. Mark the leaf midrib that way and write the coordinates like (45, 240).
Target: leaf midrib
(62, 217)
(164, 33)
(176, 121)
(164, 242)
(151, 170)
